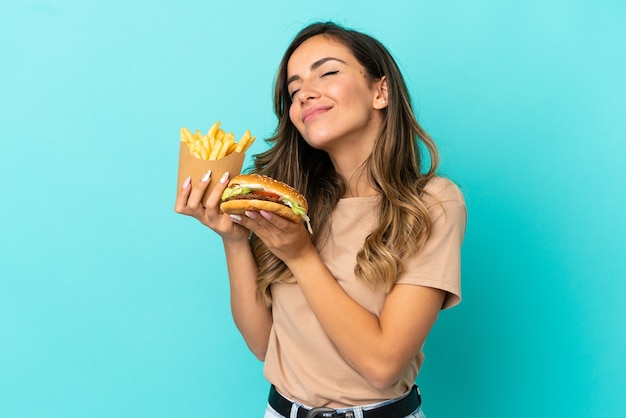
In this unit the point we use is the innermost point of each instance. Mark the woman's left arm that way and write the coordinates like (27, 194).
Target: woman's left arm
(379, 347)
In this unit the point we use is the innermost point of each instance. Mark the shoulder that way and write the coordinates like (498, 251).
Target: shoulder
(441, 190)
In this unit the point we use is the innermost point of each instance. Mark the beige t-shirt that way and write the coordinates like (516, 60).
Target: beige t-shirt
(301, 361)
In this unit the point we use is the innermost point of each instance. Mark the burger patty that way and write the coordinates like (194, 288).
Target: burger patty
(253, 196)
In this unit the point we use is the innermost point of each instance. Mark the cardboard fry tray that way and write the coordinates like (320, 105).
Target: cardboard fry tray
(188, 165)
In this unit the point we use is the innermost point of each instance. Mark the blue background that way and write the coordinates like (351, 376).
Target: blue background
(111, 305)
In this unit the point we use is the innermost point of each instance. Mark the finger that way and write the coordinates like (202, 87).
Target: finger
(248, 219)
(195, 197)
(216, 195)
(241, 220)
(259, 224)
(183, 195)
(276, 220)
(267, 215)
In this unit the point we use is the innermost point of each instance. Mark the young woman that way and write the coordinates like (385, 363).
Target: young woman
(340, 316)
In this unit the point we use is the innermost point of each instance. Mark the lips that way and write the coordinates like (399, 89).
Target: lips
(313, 113)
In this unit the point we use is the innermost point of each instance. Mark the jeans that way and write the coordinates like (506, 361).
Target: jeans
(358, 411)
(270, 413)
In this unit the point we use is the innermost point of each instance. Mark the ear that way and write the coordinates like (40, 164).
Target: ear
(380, 96)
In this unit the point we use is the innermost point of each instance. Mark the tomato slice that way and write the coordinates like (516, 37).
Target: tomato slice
(267, 194)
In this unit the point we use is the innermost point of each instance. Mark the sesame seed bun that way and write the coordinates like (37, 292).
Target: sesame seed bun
(239, 204)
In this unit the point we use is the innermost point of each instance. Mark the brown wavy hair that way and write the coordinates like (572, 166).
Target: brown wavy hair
(394, 168)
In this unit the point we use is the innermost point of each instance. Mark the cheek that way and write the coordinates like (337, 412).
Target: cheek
(293, 115)
(351, 94)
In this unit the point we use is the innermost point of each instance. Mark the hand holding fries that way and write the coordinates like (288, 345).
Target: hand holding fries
(215, 151)
(216, 144)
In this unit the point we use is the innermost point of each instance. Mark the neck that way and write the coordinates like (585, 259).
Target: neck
(349, 158)
(354, 174)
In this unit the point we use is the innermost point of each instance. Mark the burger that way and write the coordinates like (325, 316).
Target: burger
(254, 192)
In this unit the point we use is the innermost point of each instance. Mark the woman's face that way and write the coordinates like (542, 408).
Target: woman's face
(334, 105)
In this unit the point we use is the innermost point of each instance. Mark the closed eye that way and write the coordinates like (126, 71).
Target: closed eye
(293, 93)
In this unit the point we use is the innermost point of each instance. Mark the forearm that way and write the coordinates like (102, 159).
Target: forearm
(354, 331)
(251, 316)
(379, 348)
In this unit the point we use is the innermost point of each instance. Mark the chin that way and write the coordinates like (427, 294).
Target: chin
(320, 140)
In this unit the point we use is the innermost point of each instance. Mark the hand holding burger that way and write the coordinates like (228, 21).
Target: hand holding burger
(254, 192)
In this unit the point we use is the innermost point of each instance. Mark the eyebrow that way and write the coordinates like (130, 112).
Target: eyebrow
(314, 67)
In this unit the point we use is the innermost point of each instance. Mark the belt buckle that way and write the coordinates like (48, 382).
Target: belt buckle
(319, 412)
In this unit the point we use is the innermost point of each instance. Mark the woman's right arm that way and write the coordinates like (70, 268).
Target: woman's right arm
(251, 316)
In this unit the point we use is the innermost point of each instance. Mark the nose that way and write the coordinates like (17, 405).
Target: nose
(307, 92)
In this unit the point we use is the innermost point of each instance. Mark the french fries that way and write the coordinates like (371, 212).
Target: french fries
(216, 144)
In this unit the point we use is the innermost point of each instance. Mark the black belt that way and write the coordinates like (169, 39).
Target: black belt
(398, 409)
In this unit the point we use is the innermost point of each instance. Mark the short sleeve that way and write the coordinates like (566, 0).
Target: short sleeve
(438, 265)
